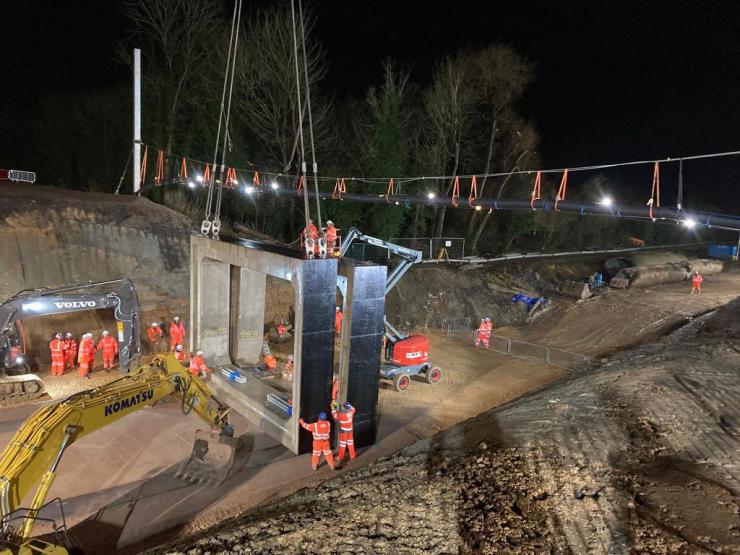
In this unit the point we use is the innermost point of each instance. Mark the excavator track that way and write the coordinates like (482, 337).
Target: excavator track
(20, 389)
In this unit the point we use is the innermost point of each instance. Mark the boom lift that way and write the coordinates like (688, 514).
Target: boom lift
(31, 458)
(16, 381)
(406, 355)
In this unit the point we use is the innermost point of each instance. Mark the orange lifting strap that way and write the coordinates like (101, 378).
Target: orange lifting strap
(256, 179)
(183, 169)
(655, 192)
(299, 187)
(231, 178)
(561, 192)
(455, 191)
(339, 188)
(159, 174)
(535, 190)
(473, 196)
(207, 175)
(391, 189)
(142, 172)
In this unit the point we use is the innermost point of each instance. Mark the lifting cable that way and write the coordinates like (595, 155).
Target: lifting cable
(561, 191)
(655, 192)
(208, 177)
(184, 170)
(159, 172)
(301, 183)
(679, 196)
(142, 170)
(341, 187)
(216, 227)
(535, 195)
(315, 166)
(391, 190)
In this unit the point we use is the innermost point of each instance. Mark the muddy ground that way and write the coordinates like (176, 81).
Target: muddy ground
(638, 455)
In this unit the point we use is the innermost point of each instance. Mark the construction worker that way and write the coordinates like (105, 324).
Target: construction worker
(154, 333)
(331, 237)
(109, 345)
(269, 361)
(310, 232)
(14, 353)
(70, 351)
(281, 330)
(338, 320)
(343, 419)
(320, 430)
(57, 355)
(696, 283)
(290, 364)
(180, 354)
(483, 333)
(86, 355)
(177, 333)
(198, 366)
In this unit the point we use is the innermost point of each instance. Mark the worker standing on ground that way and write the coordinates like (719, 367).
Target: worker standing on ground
(331, 237)
(86, 355)
(320, 430)
(70, 352)
(483, 333)
(343, 418)
(154, 333)
(338, 320)
(198, 366)
(57, 355)
(177, 333)
(696, 283)
(109, 345)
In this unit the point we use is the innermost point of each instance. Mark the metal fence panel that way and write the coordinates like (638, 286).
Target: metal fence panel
(565, 359)
(500, 344)
(529, 351)
(448, 247)
(422, 244)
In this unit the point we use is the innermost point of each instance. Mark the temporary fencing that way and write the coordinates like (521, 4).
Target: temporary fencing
(434, 248)
(459, 328)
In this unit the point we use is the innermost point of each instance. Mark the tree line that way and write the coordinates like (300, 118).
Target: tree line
(467, 118)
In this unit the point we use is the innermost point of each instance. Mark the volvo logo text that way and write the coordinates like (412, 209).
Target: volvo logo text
(75, 304)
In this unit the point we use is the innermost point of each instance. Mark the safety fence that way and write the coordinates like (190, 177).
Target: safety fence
(18, 175)
(434, 248)
(459, 328)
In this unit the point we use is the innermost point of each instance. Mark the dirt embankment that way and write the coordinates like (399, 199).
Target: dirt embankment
(639, 455)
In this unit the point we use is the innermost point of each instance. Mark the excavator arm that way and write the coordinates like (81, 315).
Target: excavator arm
(29, 461)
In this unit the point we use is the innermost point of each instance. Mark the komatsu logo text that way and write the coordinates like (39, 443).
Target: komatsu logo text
(75, 304)
(129, 402)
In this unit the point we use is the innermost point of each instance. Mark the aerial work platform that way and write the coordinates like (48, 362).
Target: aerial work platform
(229, 284)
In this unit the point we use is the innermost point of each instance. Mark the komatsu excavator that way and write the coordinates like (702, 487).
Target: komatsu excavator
(16, 381)
(29, 462)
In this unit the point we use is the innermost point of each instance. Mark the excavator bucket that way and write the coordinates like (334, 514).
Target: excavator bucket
(211, 459)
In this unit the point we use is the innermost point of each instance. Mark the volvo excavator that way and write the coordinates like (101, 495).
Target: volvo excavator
(29, 463)
(17, 383)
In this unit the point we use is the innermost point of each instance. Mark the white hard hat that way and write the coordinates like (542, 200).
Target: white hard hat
(88, 335)
(67, 334)
(329, 222)
(178, 348)
(199, 353)
(337, 308)
(155, 324)
(176, 318)
(105, 333)
(58, 335)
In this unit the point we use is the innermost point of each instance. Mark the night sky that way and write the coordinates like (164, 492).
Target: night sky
(615, 80)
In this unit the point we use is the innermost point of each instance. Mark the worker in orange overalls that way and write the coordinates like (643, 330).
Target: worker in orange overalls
(57, 355)
(177, 333)
(331, 237)
(343, 419)
(86, 355)
(70, 351)
(180, 354)
(109, 345)
(269, 361)
(696, 283)
(154, 334)
(310, 232)
(198, 366)
(483, 333)
(338, 320)
(320, 430)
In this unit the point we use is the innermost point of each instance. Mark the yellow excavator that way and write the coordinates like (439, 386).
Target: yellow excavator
(29, 462)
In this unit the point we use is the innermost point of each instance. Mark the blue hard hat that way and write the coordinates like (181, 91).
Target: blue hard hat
(322, 416)
(346, 405)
